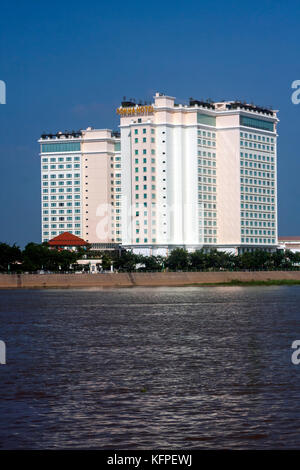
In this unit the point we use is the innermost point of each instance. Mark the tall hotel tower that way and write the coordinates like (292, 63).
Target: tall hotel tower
(192, 176)
(81, 186)
(198, 175)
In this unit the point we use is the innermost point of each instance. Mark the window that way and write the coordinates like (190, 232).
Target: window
(257, 123)
(61, 147)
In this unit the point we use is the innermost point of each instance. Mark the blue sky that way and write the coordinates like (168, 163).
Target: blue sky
(68, 64)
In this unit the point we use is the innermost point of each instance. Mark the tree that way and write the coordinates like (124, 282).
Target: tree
(9, 255)
(178, 260)
(127, 261)
(38, 257)
(152, 263)
(106, 262)
(198, 260)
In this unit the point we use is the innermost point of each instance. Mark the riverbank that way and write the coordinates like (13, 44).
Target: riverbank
(37, 281)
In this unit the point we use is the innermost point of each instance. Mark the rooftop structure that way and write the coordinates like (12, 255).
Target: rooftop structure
(68, 240)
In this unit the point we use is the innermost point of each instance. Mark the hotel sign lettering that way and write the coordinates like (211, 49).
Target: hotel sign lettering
(135, 110)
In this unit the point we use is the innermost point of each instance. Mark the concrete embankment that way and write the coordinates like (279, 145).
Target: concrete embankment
(8, 281)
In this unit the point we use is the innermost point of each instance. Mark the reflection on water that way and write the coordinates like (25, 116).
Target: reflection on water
(150, 368)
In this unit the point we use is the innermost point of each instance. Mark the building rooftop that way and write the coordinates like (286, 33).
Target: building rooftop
(67, 239)
(63, 135)
(225, 105)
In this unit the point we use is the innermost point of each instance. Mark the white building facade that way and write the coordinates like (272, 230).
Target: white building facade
(198, 176)
(80, 186)
(202, 175)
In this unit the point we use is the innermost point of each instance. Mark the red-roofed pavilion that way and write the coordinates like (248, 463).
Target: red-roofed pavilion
(67, 241)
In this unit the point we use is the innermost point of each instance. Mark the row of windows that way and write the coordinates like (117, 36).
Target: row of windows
(145, 178)
(61, 167)
(254, 156)
(61, 147)
(68, 196)
(260, 166)
(209, 134)
(258, 137)
(254, 189)
(61, 225)
(257, 182)
(255, 198)
(257, 215)
(144, 131)
(136, 160)
(202, 153)
(257, 207)
(136, 152)
(206, 143)
(268, 148)
(204, 179)
(145, 196)
(257, 123)
(68, 175)
(206, 162)
(258, 232)
(145, 222)
(210, 223)
(60, 159)
(206, 171)
(208, 232)
(207, 215)
(258, 240)
(255, 223)
(144, 169)
(144, 140)
(208, 240)
(62, 212)
(54, 204)
(137, 187)
(60, 219)
(206, 197)
(207, 188)
(145, 231)
(260, 199)
(61, 190)
(60, 183)
(53, 234)
(207, 206)
(137, 213)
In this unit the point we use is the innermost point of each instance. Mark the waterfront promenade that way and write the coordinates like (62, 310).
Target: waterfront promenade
(141, 279)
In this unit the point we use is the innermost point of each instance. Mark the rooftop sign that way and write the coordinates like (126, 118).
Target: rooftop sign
(135, 110)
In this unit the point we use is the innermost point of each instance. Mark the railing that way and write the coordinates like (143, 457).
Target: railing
(296, 269)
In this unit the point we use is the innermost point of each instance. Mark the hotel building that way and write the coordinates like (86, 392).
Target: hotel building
(197, 175)
(81, 186)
